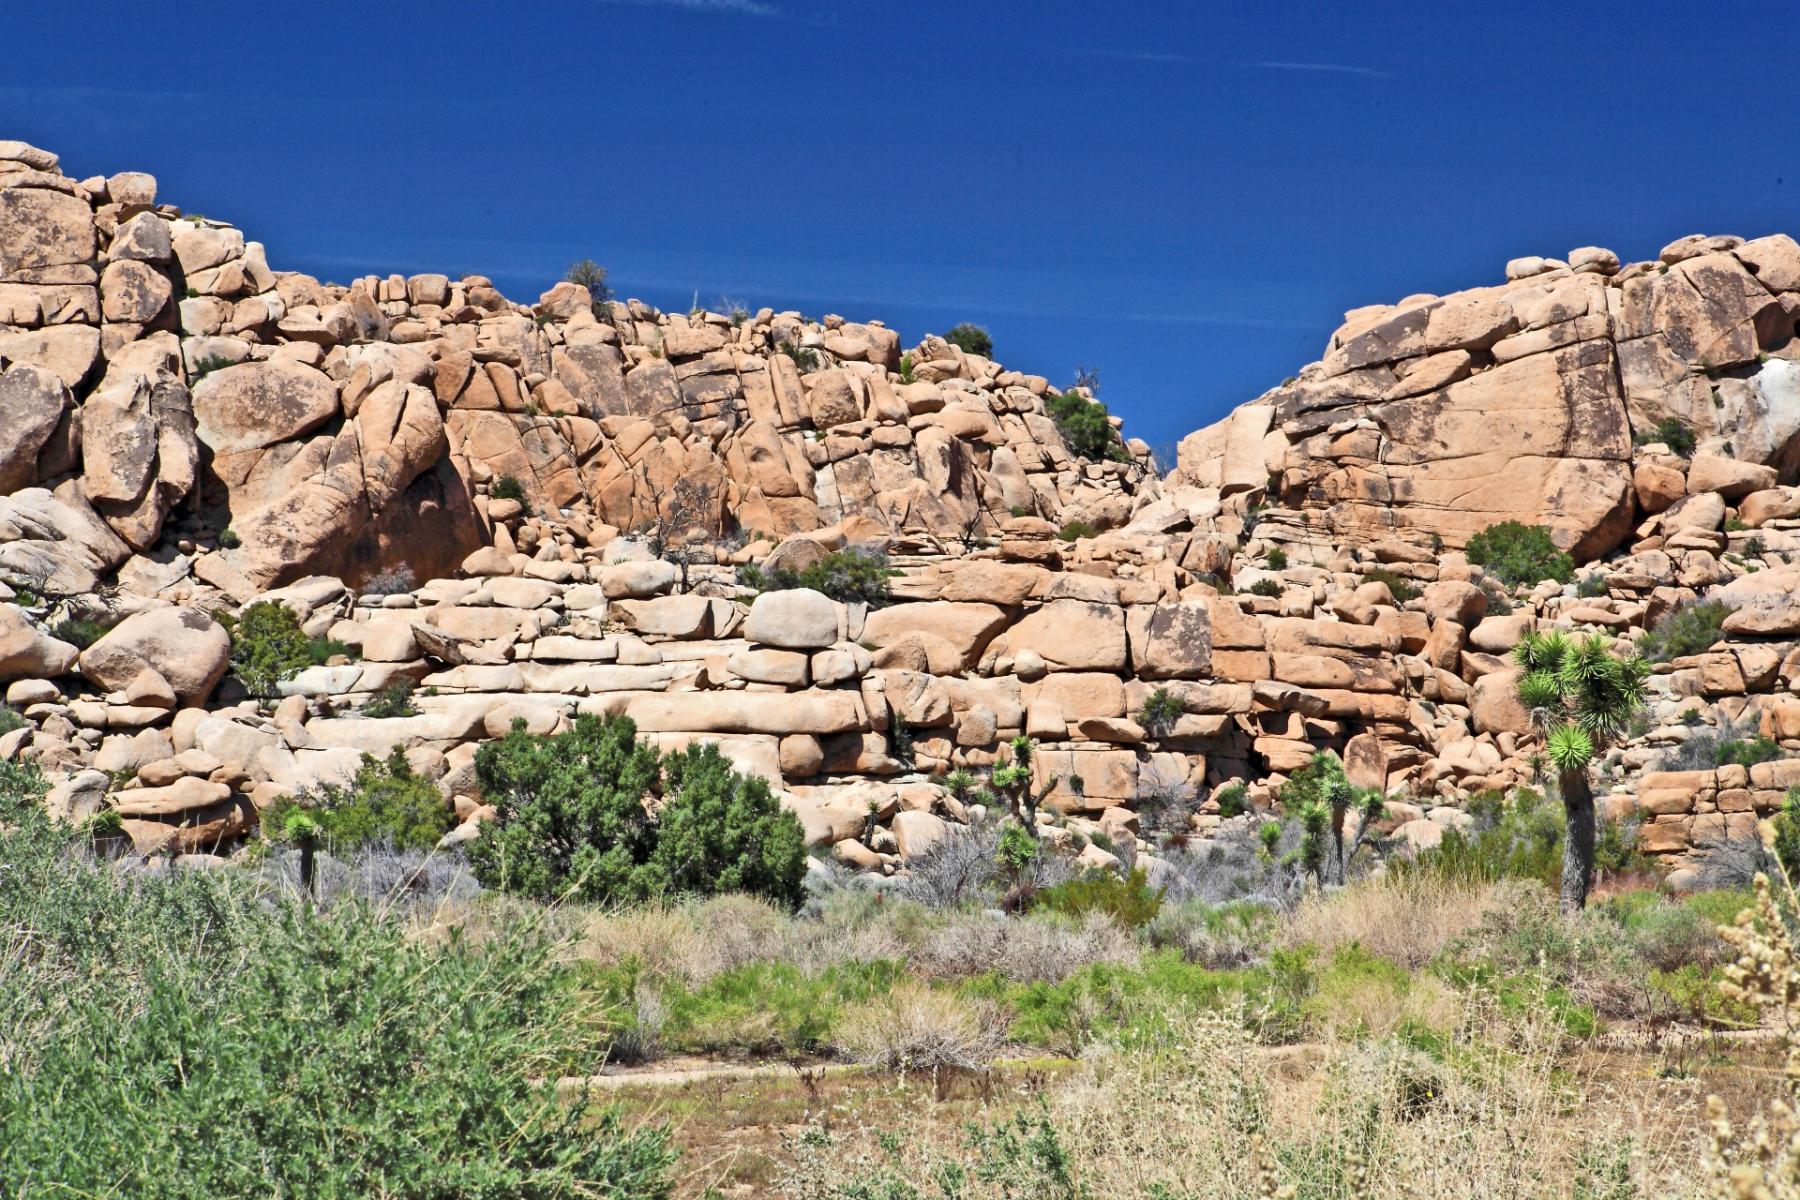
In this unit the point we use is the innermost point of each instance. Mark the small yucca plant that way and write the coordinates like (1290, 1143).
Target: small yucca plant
(1581, 696)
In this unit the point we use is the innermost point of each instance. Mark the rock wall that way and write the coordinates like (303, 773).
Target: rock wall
(196, 431)
(160, 366)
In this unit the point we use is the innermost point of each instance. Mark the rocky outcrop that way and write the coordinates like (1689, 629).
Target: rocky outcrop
(1440, 415)
(158, 360)
(534, 512)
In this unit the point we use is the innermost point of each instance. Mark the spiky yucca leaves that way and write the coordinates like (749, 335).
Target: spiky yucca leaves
(1579, 682)
(1581, 696)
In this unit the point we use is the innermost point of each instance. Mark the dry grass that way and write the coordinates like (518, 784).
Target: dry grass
(1506, 1114)
(914, 1028)
(1407, 920)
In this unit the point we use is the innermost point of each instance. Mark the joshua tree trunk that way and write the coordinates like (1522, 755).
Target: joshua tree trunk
(1337, 840)
(308, 865)
(1578, 839)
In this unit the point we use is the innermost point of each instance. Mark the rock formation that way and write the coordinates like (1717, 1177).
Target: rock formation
(531, 512)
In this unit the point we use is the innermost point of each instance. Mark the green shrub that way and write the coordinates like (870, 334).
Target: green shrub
(268, 645)
(802, 357)
(1270, 588)
(1162, 708)
(906, 368)
(507, 487)
(394, 700)
(1591, 585)
(971, 339)
(1398, 586)
(206, 366)
(1685, 629)
(1277, 559)
(1234, 800)
(11, 719)
(1672, 432)
(1084, 426)
(719, 831)
(386, 804)
(1747, 753)
(1128, 900)
(591, 275)
(1520, 554)
(1075, 531)
(229, 539)
(573, 820)
(1787, 834)
(210, 1042)
(78, 631)
(850, 576)
(22, 788)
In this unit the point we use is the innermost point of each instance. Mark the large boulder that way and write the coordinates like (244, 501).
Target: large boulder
(57, 541)
(257, 404)
(186, 647)
(795, 619)
(1071, 635)
(34, 402)
(952, 634)
(26, 653)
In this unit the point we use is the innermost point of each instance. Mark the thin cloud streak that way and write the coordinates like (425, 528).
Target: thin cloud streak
(1336, 68)
(742, 8)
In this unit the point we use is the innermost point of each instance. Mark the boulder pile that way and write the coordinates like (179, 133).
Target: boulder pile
(515, 513)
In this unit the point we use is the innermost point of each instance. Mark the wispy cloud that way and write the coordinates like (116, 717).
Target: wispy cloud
(1131, 55)
(1336, 68)
(742, 8)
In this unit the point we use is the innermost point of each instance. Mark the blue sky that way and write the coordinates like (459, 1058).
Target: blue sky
(1186, 196)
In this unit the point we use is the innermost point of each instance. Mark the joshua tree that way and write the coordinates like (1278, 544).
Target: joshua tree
(1580, 696)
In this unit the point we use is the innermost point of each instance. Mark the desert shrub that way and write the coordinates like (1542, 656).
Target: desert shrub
(1747, 753)
(1672, 432)
(1591, 585)
(386, 804)
(1218, 936)
(79, 632)
(971, 339)
(573, 820)
(918, 1028)
(22, 787)
(906, 371)
(1038, 946)
(1084, 426)
(719, 831)
(1160, 711)
(507, 487)
(1399, 587)
(591, 275)
(1520, 554)
(1685, 629)
(1075, 531)
(1234, 799)
(1128, 899)
(1270, 588)
(392, 582)
(206, 366)
(284, 1045)
(1787, 835)
(959, 868)
(11, 719)
(801, 356)
(268, 645)
(229, 539)
(394, 700)
(850, 576)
